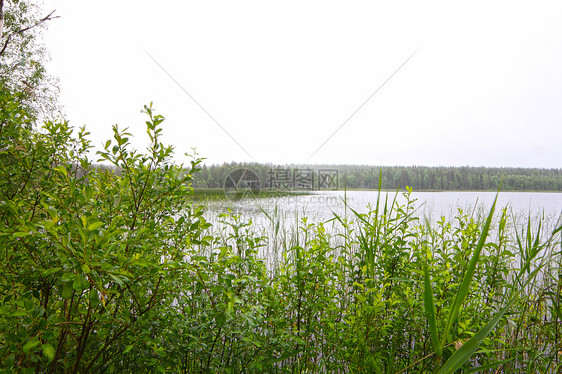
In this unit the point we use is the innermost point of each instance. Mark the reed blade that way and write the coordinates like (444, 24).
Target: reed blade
(429, 306)
(465, 352)
(469, 275)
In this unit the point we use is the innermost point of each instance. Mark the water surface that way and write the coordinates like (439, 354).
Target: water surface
(320, 206)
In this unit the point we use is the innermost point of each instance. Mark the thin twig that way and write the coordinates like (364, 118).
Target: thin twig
(20, 31)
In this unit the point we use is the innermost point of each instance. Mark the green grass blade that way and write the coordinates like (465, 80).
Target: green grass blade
(557, 230)
(359, 216)
(467, 280)
(465, 352)
(379, 192)
(429, 305)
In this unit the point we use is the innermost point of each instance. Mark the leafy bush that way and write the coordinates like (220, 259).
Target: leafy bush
(90, 259)
(108, 271)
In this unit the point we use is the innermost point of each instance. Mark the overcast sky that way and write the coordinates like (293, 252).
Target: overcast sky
(483, 89)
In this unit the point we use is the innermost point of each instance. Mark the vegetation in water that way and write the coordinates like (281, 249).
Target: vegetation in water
(121, 273)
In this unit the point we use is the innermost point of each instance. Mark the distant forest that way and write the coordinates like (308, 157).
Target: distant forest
(367, 177)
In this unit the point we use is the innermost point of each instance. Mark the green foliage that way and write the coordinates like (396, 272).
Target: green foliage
(392, 177)
(23, 58)
(89, 258)
(112, 269)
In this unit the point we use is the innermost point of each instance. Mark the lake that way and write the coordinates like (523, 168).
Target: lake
(320, 206)
(278, 217)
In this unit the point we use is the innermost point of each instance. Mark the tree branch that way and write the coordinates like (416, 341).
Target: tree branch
(21, 31)
(1, 17)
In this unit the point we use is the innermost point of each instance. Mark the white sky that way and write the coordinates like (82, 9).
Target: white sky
(485, 87)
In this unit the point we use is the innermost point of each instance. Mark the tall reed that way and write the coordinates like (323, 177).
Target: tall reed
(381, 292)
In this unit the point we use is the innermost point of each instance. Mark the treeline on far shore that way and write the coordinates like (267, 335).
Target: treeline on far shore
(393, 177)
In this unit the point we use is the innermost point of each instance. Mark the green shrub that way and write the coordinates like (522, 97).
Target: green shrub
(112, 269)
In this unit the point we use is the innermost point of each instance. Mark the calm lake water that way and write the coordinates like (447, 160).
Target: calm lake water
(321, 205)
(276, 216)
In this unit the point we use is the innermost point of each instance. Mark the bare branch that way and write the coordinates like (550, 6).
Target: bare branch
(21, 31)
(1, 17)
